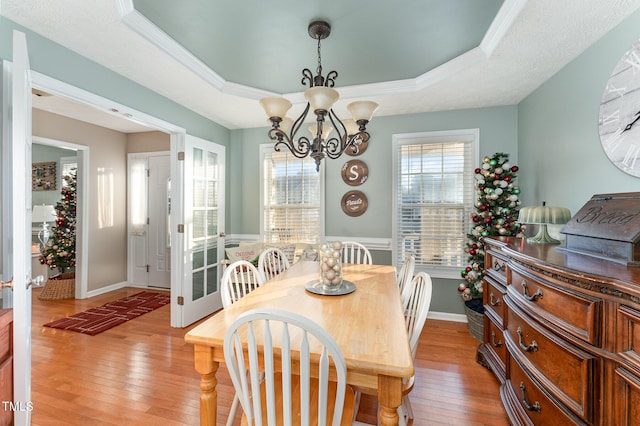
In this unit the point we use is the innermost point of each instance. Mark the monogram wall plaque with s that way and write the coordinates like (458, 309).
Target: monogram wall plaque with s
(355, 172)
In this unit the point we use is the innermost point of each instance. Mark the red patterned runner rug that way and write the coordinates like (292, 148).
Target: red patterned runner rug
(102, 318)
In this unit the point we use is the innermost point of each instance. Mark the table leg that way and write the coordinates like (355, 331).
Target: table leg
(390, 398)
(207, 367)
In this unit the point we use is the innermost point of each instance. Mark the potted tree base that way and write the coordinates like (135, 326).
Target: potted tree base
(58, 287)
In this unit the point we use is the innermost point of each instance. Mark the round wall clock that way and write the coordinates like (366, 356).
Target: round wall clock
(619, 121)
(355, 172)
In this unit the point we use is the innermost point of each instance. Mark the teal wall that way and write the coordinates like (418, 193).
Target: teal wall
(498, 132)
(561, 158)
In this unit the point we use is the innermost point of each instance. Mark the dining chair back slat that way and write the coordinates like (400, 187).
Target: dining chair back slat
(405, 275)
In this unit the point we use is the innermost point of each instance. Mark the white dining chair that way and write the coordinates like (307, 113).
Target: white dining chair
(239, 279)
(272, 262)
(416, 309)
(354, 252)
(288, 394)
(405, 275)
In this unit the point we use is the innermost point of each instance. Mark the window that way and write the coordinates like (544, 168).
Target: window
(434, 198)
(292, 197)
(67, 165)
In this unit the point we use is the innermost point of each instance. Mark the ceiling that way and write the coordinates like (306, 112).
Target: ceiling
(218, 58)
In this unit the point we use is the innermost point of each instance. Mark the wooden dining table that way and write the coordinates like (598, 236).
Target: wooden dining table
(368, 325)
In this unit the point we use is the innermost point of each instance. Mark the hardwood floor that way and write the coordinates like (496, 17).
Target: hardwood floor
(141, 373)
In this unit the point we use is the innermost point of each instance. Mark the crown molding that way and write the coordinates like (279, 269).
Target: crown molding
(504, 19)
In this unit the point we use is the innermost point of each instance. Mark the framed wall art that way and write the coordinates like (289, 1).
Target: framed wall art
(43, 176)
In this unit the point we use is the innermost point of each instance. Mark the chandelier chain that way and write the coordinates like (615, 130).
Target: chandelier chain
(319, 69)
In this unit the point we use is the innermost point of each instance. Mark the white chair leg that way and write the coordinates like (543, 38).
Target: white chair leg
(233, 409)
(405, 412)
(357, 405)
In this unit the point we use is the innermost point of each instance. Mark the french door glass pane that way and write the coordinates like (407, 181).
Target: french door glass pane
(205, 223)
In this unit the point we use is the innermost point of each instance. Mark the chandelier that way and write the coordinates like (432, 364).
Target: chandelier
(320, 96)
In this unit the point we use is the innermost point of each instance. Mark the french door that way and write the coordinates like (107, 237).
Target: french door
(17, 194)
(203, 228)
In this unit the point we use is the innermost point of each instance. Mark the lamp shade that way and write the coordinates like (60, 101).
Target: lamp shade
(351, 126)
(362, 110)
(43, 213)
(321, 98)
(275, 107)
(325, 131)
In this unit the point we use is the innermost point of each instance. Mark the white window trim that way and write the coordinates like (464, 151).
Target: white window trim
(264, 148)
(463, 135)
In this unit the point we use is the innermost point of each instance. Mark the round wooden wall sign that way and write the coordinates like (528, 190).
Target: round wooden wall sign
(360, 146)
(355, 172)
(354, 203)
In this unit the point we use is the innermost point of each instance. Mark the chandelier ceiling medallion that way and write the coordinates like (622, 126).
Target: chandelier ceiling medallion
(320, 98)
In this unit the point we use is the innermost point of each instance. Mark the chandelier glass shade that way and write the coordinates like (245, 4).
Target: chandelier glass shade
(320, 96)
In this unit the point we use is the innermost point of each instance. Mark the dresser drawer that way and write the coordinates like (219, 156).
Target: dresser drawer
(576, 313)
(569, 373)
(531, 404)
(627, 406)
(628, 345)
(494, 300)
(496, 344)
(496, 265)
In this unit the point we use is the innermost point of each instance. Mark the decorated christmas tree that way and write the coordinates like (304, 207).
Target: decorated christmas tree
(496, 214)
(60, 251)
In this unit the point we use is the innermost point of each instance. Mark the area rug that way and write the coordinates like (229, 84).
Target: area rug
(109, 315)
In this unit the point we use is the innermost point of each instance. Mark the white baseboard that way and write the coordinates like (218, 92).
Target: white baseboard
(107, 289)
(445, 316)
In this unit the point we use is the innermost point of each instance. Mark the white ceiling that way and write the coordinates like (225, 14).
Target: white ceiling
(526, 43)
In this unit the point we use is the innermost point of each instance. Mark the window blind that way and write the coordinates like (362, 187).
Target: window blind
(434, 198)
(291, 198)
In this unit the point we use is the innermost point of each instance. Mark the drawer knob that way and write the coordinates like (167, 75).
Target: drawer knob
(493, 340)
(531, 407)
(533, 347)
(534, 296)
(493, 301)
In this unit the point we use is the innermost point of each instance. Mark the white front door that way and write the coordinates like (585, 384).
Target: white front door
(203, 214)
(159, 246)
(15, 228)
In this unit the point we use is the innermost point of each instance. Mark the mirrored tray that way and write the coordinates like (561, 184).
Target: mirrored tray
(317, 287)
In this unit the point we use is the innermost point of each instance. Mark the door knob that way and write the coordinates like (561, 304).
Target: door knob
(7, 284)
(36, 282)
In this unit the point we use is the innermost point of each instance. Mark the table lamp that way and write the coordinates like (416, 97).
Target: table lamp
(43, 213)
(543, 215)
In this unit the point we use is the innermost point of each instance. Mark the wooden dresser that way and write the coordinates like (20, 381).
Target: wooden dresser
(562, 334)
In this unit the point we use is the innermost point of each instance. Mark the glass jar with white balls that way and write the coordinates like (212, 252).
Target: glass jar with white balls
(331, 266)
